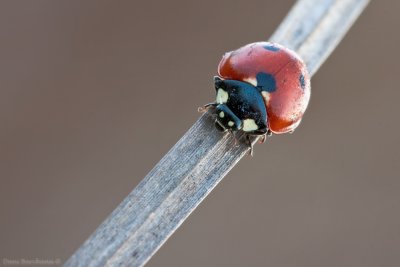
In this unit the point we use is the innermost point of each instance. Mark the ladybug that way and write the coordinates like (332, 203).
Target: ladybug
(261, 88)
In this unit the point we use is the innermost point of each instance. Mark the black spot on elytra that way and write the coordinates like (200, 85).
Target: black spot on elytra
(302, 81)
(271, 47)
(266, 82)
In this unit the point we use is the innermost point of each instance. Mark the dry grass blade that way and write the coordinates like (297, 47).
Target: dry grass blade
(203, 156)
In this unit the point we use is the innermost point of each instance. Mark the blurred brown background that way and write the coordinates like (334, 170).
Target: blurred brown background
(94, 93)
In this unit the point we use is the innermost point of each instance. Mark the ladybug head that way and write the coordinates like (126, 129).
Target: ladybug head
(239, 106)
(226, 120)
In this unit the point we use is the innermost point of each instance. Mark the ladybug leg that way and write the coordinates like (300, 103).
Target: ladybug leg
(250, 144)
(263, 138)
(206, 107)
(236, 139)
(209, 105)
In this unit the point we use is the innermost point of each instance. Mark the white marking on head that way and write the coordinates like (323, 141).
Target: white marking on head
(222, 96)
(221, 114)
(266, 96)
(252, 81)
(231, 123)
(249, 125)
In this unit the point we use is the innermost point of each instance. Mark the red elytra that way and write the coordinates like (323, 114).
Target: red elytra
(288, 92)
